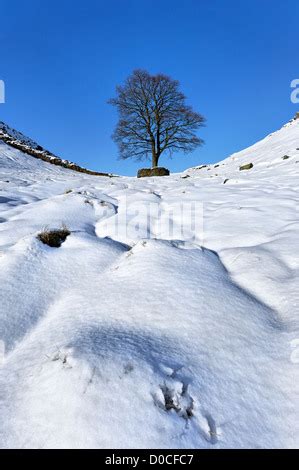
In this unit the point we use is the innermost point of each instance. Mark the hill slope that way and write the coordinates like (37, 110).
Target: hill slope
(278, 151)
(27, 146)
(168, 317)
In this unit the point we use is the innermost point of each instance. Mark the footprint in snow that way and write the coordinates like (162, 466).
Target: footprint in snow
(173, 395)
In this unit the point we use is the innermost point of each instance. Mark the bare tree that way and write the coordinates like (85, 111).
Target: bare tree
(154, 118)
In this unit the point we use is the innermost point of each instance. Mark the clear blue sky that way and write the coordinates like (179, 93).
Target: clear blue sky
(61, 61)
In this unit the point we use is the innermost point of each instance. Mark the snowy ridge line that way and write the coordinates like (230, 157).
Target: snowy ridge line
(18, 141)
(279, 149)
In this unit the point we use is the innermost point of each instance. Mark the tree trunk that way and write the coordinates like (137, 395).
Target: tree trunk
(155, 159)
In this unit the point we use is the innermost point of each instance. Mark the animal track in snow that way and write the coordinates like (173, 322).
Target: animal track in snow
(62, 357)
(173, 395)
(178, 399)
(212, 429)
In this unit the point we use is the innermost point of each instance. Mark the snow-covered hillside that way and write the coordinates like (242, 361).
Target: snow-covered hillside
(18, 141)
(141, 331)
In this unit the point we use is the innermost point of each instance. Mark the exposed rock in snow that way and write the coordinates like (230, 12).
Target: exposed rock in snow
(265, 155)
(18, 141)
(141, 330)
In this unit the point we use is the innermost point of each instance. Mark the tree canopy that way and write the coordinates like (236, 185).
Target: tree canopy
(154, 118)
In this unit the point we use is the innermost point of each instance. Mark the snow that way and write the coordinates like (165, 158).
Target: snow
(144, 336)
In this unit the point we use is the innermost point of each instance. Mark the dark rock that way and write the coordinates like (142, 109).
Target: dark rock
(248, 166)
(157, 171)
(285, 157)
(160, 171)
(144, 172)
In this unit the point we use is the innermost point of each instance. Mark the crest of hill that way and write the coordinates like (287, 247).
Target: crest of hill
(26, 145)
(278, 151)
